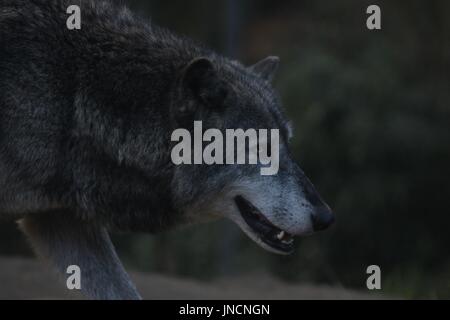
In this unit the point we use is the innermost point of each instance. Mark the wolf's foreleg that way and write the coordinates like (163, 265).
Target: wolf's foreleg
(66, 241)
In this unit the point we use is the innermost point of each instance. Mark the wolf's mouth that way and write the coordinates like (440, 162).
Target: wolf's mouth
(271, 235)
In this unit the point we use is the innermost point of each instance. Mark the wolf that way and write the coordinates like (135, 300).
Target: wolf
(86, 118)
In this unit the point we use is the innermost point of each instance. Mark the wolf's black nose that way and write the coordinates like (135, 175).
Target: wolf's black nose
(322, 218)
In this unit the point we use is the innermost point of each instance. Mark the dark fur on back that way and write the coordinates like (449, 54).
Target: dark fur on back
(86, 118)
(93, 137)
(85, 129)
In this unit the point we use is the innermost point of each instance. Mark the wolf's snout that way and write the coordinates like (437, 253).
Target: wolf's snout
(322, 218)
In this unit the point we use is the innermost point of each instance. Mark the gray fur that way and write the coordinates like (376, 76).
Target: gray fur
(85, 124)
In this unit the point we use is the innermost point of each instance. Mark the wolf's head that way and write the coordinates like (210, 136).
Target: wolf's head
(270, 209)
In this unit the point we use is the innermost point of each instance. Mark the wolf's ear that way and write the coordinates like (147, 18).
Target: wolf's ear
(202, 80)
(267, 67)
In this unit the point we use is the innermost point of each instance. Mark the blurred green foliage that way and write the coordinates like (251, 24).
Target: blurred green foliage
(371, 111)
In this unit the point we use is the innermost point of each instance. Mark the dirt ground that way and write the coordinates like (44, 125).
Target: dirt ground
(31, 279)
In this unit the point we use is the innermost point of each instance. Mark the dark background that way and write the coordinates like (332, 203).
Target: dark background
(371, 111)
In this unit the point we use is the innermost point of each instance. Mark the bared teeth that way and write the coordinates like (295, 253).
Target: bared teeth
(280, 235)
(284, 237)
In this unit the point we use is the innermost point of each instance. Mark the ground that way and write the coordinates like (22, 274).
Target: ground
(31, 279)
